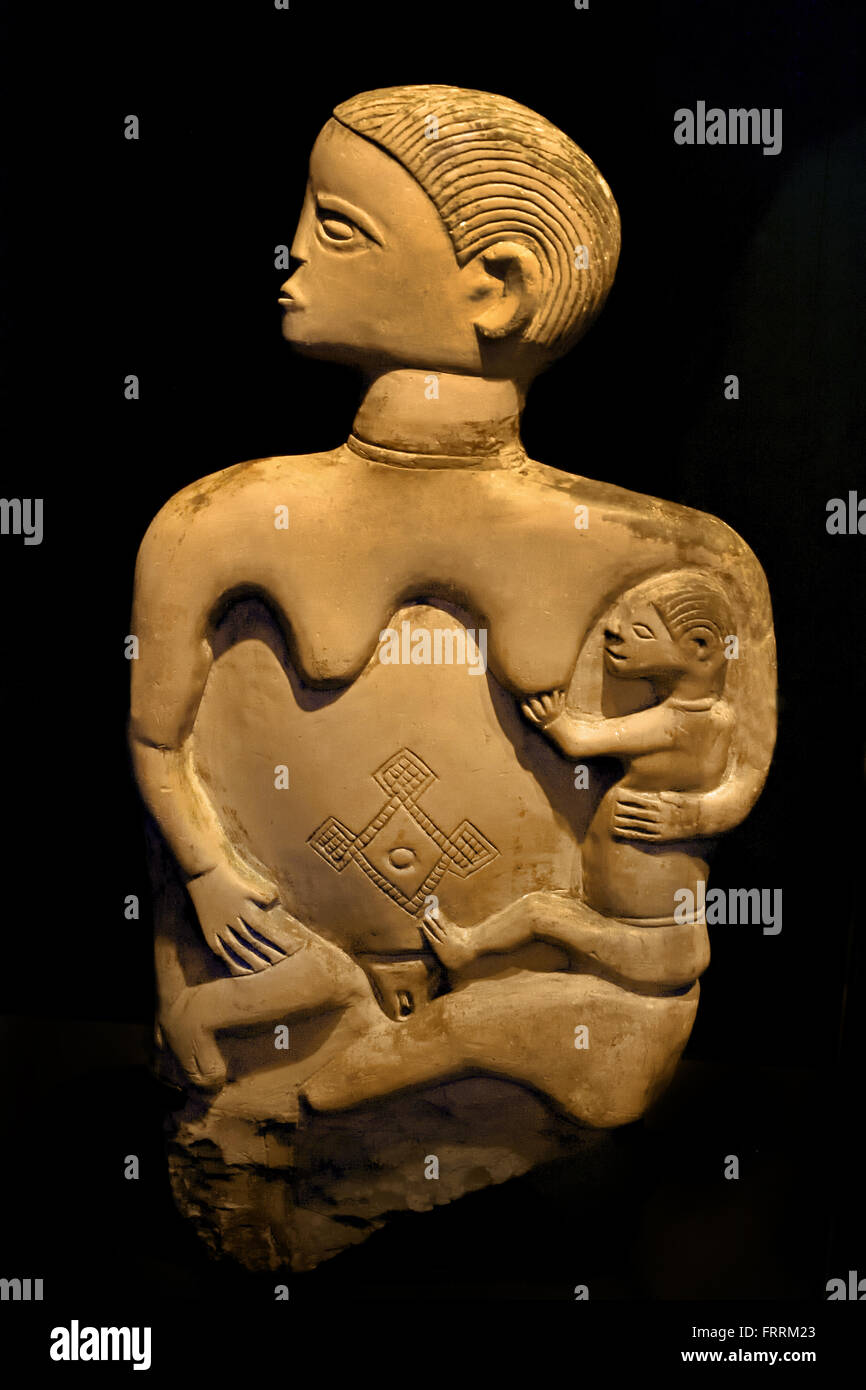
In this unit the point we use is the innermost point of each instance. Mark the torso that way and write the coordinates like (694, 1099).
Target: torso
(367, 547)
(630, 880)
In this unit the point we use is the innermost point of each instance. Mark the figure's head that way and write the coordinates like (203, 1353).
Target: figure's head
(448, 229)
(672, 625)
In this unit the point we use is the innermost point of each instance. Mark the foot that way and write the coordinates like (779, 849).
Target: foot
(453, 945)
(193, 1044)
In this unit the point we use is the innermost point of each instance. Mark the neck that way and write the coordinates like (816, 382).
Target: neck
(441, 417)
(686, 687)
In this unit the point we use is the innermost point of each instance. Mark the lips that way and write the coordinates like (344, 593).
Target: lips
(616, 656)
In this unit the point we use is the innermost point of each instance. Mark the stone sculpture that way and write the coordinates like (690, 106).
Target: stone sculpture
(430, 734)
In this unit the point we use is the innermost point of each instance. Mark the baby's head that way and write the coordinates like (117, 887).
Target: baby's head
(673, 625)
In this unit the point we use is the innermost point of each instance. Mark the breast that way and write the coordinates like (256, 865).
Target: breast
(365, 538)
(418, 778)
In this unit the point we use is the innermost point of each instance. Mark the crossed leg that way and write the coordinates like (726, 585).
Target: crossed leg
(522, 1029)
(316, 978)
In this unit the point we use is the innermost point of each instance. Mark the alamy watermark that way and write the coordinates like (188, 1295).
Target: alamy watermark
(22, 516)
(847, 517)
(853, 1289)
(75, 1343)
(422, 646)
(732, 907)
(21, 1290)
(736, 126)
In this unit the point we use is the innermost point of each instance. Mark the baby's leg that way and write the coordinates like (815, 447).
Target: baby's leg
(651, 957)
(457, 946)
(545, 916)
(314, 979)
(660, 957)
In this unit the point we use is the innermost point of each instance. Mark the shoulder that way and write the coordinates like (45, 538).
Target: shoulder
(646, 516)
(213, 508)
(618, 501)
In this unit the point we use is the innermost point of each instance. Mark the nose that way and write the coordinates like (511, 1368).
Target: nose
(302, 241)
(611, 635)
(295, 264)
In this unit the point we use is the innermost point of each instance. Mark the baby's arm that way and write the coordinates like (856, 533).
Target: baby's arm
(583, 735)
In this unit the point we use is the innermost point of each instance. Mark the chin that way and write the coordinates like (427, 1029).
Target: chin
(629, 673)
(312, 347)
(291, 329)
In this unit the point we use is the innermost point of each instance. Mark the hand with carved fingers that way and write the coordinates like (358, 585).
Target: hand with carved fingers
(452, 944)
(655, 817)
(239, 915)
(544, 709)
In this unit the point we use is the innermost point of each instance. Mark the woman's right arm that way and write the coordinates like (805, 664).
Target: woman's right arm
(181, 573)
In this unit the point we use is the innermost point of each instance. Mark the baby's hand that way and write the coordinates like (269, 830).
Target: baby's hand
(544, 709)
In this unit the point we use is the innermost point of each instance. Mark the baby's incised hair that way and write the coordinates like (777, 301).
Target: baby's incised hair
(687, 601)
(497, 171)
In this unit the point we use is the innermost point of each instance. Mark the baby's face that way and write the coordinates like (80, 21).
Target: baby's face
(637, 645)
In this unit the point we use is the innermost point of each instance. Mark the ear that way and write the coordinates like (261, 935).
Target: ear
(504, 282)
(702, 644)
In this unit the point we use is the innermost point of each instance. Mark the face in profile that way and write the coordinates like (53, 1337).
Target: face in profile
(638, 645)
(378, 283)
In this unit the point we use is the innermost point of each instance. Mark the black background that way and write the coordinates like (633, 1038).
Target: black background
(156, 257)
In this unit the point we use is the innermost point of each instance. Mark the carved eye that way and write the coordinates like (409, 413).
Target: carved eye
(641, 630)
(334, 227)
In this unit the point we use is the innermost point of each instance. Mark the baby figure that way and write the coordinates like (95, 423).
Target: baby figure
(671, 632)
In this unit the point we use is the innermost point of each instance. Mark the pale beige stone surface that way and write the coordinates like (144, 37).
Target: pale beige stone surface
(367, 680)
